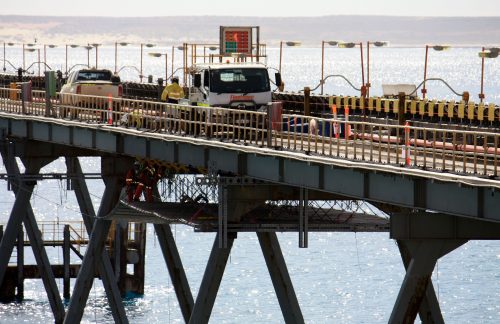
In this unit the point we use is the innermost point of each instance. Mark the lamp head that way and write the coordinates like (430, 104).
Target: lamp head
(440, 48)
(347, 45)
(488, 54)
(334, 42)
(380, 43)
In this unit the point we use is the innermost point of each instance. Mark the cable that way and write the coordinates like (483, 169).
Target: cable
(334, 76)
(434, 79)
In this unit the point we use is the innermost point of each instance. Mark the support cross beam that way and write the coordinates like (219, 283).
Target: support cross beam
(23, 212)
(104, 266)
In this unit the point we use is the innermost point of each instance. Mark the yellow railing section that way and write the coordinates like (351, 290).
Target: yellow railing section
(461, 111)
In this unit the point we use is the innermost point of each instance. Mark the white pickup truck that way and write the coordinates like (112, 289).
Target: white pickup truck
(90, 82)
(238, 85)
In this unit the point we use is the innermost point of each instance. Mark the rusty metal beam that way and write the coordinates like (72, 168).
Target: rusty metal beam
(424, 255)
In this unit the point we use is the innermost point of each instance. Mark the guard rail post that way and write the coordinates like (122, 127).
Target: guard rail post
(307, 101)
(66, 262)
(401, 121)
(269, 124)
(160, 88)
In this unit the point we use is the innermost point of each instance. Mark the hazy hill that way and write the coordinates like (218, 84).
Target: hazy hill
(310, 30)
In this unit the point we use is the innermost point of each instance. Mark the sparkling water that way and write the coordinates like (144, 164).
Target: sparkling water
(341, 277)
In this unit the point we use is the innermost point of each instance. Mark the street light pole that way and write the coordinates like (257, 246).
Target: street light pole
(362, 67)
(38, 52)
(424, 91)
(481, 95)
(166, 61)
(116, 57)
(281, 51)
(166, 68)
(4, 69)
(88, 48)
(66, 60)
(140, 76)
(368, 85)
(96, 46)
(172, 60)
(322, 64)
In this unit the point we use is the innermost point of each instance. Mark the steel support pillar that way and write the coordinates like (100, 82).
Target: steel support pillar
(22, 212)
(113, 171)
(211, 281)
(281, 279)
(104, 266)
(175, 269)
(429, 311)
(424, 255)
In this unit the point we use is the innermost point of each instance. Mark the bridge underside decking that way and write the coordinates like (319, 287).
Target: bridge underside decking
(204, 218)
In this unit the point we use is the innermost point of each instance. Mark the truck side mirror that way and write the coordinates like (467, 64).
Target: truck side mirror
(197, 80)
(277, 77)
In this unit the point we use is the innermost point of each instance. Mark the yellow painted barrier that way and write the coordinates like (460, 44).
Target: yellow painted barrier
(362, 104)
(395, 107)
(387, 105)
(470, 110)
(413, 107)
(451, 109)
(491, 112)
(480, 112)
(441, 109)
(353, 102)
(370, 104)
(378, 105)
(430, 108)
(461, 110)
(421, 108)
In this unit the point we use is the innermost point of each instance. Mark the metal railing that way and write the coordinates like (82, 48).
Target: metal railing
(53, 232)
(443, 150)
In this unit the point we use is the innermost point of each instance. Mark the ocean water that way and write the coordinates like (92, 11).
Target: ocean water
(341, 277)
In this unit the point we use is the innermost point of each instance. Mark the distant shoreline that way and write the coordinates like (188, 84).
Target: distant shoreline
(398, 30)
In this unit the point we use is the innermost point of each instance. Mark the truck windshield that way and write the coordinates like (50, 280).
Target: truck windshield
(236, 80)
(94, 76)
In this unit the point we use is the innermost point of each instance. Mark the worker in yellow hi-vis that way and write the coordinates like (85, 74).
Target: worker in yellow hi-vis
(175, 115)
(173, 92)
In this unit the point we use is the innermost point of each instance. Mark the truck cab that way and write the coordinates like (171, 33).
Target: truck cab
(244, 86)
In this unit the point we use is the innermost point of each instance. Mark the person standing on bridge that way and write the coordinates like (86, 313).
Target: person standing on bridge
(173, 92)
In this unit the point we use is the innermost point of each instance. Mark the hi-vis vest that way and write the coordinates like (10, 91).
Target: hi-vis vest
(172, 91)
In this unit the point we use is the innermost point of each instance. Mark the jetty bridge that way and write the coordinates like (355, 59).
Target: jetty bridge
(438, 183)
